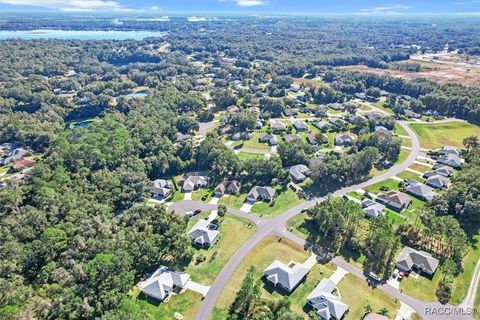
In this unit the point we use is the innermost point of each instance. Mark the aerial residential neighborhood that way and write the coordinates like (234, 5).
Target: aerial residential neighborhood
(240, 160)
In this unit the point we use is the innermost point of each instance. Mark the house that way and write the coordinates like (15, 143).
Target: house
(241, 136)
(254, 110)
(194, 182)
(300, 126)
(361, 96)
(24, 163)
(321, 125)
(338, 122)
(395, 199)
(344, 140)
(446, 150)
(373, 116)
(229, 187)
(259, 124)
(420, 261)
(420, 190)
(290, 112)
(163, 282)
(411, 114)
(287, 277)
(227, 129)
(232, 109)
(161, 188)
(299, 172)
(382, 129)
(451, 160)
(277, 126)
(327, 305)
(179, 137)
(437, 181)
(269, 138)
(291, 137)
(444, 171)
(14, 155)
(312, 139)
(336, 106)
(259, 193)
(372, 209)
(203, 233)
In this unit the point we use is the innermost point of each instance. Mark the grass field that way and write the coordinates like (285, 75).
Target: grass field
(389, 183)
(419, 167)
(253, 142)
(249, 155)
(261, 256)
(422, 288)
(410, 175)
(462, 282)
(400, 131)
(185, 304)
(356, 294)
(202, 193)
(433, 136)
(403, 155)
(381, 105)
(283, 201)
(233, 201)
(234, 232)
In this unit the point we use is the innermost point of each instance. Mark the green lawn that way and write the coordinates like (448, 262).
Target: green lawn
(177, 196)
(356, 294)
(253, 142)
(419, 167)
(282, 202)
(233, 201)
(410, 175)
(249, 155)
(403, 155)
(462, 281)
(381, 105)
(406, 142)
(234, 232)
(422, 288)
(201, 193)
(261, 256)
(389, 183)
(186, 304)
(400, 131)
(433, 136)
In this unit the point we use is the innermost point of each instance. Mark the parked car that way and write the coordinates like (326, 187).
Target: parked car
(190, 214)
(374, 276)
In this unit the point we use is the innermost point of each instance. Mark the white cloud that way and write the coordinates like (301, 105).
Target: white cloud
(250, 3)
(385, 9)
(72, 5)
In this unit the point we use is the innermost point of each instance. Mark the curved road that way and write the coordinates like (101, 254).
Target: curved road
(277, 226)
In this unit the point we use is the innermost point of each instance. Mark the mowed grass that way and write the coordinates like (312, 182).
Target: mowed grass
(389, 183)
(462, 281)
(282, 202)
(419, 167)
(200, 194)
(403, 155)
(233, 201)
(422, 288)
(186, 304)
(253, 142)
(249, 155)
(356, 294)
(381, 105)
(399, 130)
(434, 136)
(234, 232)
(264, 253)
(410, 175)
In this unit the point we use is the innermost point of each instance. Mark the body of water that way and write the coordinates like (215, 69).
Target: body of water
(138, 94)
(77, 34)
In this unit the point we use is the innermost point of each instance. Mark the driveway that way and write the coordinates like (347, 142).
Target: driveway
(310, 262)
(187, 196)
(197, 287)
(338, 275)
(246, 207)
(214, 200)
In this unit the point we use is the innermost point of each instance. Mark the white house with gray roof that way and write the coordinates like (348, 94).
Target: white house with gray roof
(203, 233)
(259, 193)
(327, 305)
(344, 140)
(372, 209)
(163, 282)
(451, 160)
(194, 182)
(14, 155)
(420, 190)
(418, 260)
(161, 188)
(288, 277)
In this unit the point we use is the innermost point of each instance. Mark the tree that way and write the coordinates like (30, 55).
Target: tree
(247, 296)
(222, 210)
(294, 152)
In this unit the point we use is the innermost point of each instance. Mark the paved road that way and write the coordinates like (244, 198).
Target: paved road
(276, 225)
(203, 127)
(469, 300)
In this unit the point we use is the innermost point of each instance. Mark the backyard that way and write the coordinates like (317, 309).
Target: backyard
(436, 135)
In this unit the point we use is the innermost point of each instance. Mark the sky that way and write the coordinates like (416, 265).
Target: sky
(365, 7)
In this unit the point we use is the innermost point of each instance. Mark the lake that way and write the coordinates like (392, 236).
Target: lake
(78, 34)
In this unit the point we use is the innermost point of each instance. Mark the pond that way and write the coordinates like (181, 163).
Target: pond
(78, 34)
(82, 124)
(138, 94)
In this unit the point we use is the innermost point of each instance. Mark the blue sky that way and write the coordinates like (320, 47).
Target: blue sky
(249, 6)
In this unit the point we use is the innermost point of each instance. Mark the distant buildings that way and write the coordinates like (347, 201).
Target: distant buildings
(344, 140)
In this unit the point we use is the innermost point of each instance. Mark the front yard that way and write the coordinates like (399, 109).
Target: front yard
(282, 202)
